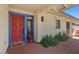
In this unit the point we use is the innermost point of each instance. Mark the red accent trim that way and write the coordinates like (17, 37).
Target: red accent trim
(30, 37)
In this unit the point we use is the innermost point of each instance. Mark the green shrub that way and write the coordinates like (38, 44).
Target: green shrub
(58, 37)
(53, 41)
(45, 41)
(49, 41)
(62, 38)
(65, 38)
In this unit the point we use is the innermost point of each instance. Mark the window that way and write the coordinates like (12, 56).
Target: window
(58, 24)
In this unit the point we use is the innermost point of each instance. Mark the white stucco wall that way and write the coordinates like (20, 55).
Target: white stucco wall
(46, 27)
(49, 25)
(36, 26)
(3, 28)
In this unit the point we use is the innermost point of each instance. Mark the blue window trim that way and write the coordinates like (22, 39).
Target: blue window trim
(33, 26)
(25, 29)
(9, 32)
(25, 26)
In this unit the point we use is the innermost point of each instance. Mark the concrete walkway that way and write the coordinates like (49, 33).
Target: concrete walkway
(68, 47)
(75, 37)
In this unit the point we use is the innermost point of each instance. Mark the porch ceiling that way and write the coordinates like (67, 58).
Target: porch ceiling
(29, 7)
(40, 7)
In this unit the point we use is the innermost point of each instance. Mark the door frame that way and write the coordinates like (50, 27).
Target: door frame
(68, 28)
(25, 26)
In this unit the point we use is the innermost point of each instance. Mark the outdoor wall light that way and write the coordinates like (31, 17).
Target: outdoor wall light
(42, 18)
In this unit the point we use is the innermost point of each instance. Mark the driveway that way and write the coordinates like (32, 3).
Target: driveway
(67, 47)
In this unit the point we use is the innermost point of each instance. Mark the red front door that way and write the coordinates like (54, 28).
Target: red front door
(17, 29)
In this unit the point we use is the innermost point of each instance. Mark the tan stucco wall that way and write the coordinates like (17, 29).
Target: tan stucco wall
(3, 28)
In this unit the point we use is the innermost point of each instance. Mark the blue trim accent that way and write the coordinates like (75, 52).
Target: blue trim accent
(25, 30)
(33, 26)
(9, 32)
(25, 26)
